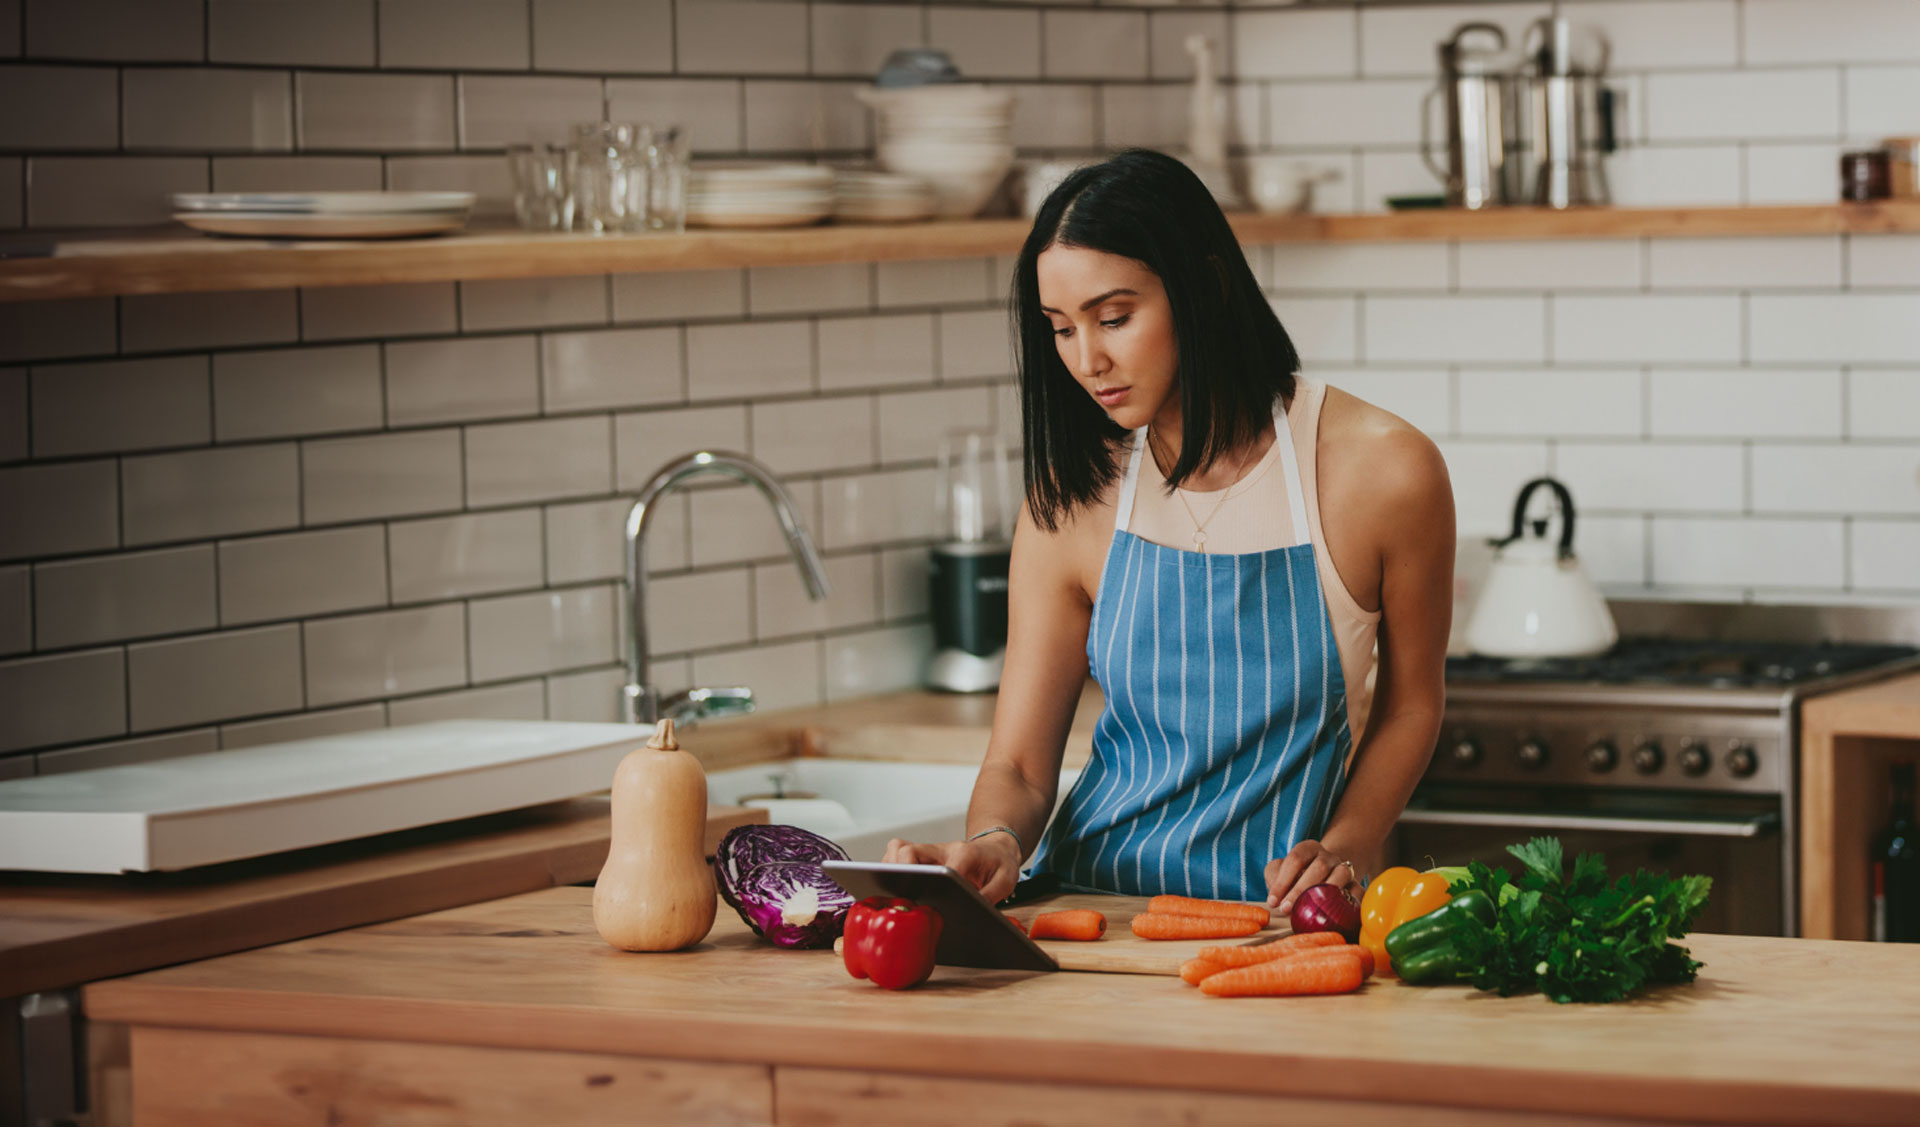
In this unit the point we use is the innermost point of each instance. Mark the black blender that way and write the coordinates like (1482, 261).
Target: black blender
(967, 569)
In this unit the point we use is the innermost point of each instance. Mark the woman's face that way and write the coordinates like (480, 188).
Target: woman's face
(1114, 330)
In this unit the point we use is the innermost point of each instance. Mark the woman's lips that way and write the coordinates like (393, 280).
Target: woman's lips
(1111, 397)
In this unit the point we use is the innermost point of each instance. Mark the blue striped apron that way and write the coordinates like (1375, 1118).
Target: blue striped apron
(1224, 737)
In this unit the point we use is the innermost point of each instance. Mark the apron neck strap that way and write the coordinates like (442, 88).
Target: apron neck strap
(1123, 515)
(1296, 499)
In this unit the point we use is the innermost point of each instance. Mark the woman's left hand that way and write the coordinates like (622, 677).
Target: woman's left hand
(1308, 864)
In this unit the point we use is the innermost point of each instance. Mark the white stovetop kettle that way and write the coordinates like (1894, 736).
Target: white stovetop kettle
(1537, 601)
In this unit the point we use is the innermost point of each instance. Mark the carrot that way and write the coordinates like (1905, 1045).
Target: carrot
(1213, 960)
(1159, 925)
(1078, 923)
(1210, 909)
(1018, 926)
(1194, 970)
(1278, 949)
(1304, 974)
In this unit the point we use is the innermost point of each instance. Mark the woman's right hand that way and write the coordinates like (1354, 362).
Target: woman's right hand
(992, 863)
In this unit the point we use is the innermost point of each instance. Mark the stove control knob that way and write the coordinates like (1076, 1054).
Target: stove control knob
(1602, 757)
(1742, 761)
(1531, 754)
(1466, 753)
(1694, 760)
(1648, 758)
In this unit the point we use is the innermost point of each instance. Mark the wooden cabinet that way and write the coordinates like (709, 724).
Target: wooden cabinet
(1849, 742)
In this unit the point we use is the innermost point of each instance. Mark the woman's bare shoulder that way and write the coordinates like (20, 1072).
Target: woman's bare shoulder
(1075, 548)
(1373, 461)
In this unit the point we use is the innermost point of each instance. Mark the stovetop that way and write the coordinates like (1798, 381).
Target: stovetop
(1687, 664)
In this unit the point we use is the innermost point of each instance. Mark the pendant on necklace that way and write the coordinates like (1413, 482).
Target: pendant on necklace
(1199, 540)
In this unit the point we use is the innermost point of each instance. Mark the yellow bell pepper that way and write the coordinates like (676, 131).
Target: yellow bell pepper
(1396, 896)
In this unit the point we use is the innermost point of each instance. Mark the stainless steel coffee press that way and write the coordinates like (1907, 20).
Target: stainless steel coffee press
(1570, 123)
(1483, 110)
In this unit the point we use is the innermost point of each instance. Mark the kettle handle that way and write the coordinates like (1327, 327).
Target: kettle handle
(1520, 514)
(1426, 136)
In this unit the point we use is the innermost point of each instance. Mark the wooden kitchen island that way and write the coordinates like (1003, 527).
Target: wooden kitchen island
(514, 1012)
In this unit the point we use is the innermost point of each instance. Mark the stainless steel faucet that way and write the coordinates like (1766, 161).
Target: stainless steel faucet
(641, 703)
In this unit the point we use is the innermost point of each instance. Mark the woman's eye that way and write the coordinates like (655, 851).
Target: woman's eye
(1117, 321)
(1063, 333)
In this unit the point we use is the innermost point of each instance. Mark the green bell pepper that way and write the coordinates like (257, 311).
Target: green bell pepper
(1427, 949)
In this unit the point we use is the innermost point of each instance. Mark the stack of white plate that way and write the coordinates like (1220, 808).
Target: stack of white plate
(758, 194)
(881, 197)
(957, 137)
(323, 215)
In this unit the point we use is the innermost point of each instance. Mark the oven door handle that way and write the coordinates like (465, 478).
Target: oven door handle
(1755, 826)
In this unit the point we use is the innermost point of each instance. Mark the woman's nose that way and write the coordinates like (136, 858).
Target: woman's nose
(1090, 359)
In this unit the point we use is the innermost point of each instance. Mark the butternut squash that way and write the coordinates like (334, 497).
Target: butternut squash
(656, 891)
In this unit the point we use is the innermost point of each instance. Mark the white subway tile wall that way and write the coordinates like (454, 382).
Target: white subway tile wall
(454, 34)
(233, 518)
(452, 557)
(16, 610)
(116, 30)
(209, 110)
(603, 35)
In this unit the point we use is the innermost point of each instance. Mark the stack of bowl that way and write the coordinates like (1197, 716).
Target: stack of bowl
(955, 136)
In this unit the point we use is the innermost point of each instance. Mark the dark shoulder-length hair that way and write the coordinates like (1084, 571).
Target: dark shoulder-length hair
(1234, 357)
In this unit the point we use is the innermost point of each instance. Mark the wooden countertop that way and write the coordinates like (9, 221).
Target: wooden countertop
(1889, 709)
(1775, 1031)
(174, 260)
(59, 930)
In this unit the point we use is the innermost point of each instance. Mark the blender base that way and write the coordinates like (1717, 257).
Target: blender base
(957, 671)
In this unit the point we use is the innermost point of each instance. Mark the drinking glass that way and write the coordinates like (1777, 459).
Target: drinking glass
(610, 189)
(669, 159)
(543, 179)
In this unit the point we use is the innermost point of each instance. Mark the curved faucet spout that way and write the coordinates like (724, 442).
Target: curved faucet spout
(641, 701)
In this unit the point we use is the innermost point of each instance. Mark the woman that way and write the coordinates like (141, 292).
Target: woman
(1251, 744)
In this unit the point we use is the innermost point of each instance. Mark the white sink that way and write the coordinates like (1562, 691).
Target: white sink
(860, 804)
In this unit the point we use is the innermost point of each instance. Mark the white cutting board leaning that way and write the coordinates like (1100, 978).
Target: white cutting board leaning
(226, 805)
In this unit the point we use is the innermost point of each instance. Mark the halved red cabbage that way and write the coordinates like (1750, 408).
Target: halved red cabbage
(793, 903)
(745, 847)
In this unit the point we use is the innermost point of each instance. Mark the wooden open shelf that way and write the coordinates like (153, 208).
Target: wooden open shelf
(173, 260)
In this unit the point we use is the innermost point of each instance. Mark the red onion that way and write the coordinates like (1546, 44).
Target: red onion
(1324, 907)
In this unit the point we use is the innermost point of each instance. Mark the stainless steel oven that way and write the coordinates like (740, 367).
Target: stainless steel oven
(1670, 754)
(1739, 841)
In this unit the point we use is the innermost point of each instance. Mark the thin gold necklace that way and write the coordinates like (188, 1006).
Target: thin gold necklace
(1227, 494)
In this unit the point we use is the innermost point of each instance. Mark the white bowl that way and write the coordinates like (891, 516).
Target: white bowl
(915, 157)
(956, 97)
(961, 195)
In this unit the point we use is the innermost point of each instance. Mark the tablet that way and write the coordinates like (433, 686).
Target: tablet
(974, 933)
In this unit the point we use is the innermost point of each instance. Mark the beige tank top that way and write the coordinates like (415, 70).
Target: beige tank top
(1255, 517)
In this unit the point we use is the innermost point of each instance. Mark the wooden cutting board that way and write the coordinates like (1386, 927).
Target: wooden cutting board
(1121, 951)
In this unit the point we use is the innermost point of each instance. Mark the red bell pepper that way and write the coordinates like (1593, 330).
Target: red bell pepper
(891, 941)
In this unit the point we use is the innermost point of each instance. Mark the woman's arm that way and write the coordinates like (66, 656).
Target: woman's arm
(1413, 522)
(1047, 619)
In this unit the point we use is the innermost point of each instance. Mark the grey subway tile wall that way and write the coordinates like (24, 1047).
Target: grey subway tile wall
(234, 518)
